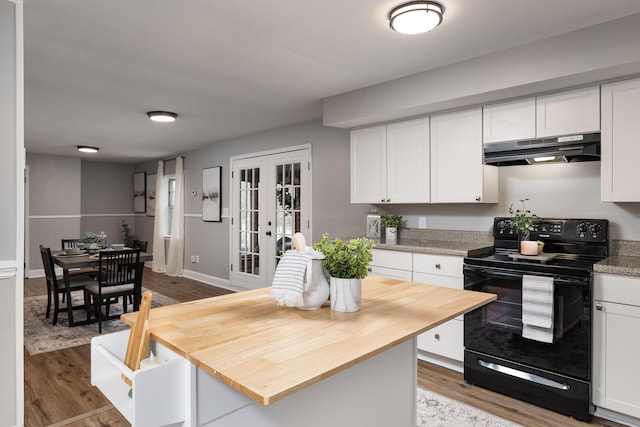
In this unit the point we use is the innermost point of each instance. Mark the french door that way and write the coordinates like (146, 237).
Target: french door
(271, 201)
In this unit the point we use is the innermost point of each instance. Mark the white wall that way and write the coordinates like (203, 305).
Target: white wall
(597, 53)
(555, 190)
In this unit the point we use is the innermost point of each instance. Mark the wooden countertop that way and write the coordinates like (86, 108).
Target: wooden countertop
(269, 352)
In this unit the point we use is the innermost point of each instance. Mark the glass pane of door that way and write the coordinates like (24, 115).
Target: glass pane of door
(249, 227)
(288, 206)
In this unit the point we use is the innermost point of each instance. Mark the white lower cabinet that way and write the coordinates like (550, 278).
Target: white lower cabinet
(616, 347)
(443, 344)
(395, 264)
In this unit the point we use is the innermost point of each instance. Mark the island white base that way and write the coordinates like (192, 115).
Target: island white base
(378, 392)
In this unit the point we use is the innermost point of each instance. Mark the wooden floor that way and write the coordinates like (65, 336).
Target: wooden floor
(58, 389)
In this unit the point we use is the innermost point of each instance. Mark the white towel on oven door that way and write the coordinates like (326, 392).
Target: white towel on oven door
(537, 308)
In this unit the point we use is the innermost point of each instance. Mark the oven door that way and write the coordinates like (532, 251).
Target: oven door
(496, 328)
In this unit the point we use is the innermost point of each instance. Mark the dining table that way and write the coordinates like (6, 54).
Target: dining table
(89, 259)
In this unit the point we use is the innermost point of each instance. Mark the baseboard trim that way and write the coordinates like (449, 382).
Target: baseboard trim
(209, 280)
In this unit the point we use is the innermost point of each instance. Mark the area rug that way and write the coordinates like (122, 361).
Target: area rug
(435, 410)
(40, 336)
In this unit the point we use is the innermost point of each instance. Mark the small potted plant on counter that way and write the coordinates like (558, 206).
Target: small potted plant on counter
(346, 263)
(391, 224)
(523, 219)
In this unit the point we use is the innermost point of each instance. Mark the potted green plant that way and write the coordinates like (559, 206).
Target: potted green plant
(523, 220)
(346, 263)
(391, 224)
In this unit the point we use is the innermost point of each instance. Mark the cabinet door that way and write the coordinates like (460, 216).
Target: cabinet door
(368, 165)
(408, 161)
(616, 356)
(446, 340)
(457, 172)
(509, 121)
(565, 113)
(620, 147)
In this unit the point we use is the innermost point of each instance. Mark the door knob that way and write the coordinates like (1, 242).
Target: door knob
(268, 233)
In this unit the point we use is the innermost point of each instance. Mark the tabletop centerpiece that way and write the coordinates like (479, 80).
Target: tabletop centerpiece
(90, 240)
(346, 263)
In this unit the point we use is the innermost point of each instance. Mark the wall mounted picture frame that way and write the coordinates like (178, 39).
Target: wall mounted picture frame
(211, 195)
(151, 194)
(140, 192)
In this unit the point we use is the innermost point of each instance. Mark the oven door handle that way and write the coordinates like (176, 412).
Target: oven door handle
(492, 272)
(523, 375)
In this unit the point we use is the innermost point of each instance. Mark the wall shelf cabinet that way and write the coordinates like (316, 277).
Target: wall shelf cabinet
(620, 148)
(390, 163)
(458, 174)
(561, 113)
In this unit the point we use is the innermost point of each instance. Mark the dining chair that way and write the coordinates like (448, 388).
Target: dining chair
(57, 286)
(119, 275)
(69, 243)
(142, 244)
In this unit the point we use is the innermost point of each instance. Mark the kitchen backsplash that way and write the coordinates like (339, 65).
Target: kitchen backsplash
(445, 235)
(625, 248)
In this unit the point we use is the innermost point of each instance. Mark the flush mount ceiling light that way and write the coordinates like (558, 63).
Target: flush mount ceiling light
(87, 149)
(416, 17)
(162, 116)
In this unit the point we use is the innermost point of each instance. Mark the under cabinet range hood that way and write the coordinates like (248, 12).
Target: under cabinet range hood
(572, 148)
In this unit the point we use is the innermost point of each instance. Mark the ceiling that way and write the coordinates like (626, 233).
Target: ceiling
(232, 68)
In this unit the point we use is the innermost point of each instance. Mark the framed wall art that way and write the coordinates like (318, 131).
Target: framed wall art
(211, 206)
(139, 192)
(151, 194)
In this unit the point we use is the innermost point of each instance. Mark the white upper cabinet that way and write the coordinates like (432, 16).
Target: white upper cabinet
(457, 172)
(390, 163)
(509, 121)
(562, 113)
(620, 147)
(565, 113)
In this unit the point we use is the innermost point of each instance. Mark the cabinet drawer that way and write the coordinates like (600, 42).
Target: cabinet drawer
(439, 280)
(617, 288)
(446, 340)
(392, 259)
(444, 265)
(391, 272)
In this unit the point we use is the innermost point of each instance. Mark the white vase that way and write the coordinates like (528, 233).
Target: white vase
(318, 290)
(346, 294)
(391, 235)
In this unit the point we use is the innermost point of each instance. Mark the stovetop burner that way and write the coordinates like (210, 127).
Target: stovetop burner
(576, 244)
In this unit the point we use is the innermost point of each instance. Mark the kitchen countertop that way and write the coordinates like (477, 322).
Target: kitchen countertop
(619, 264)
(269, 352)
(438, 247)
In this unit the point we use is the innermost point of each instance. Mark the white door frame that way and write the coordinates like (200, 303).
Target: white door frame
(263, 159)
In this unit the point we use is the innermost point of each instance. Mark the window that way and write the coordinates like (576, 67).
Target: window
(171, 197)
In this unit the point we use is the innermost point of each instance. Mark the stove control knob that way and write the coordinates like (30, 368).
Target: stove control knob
(595, 228)
(582, 228)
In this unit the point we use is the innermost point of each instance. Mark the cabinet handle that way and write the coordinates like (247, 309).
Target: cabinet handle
(388, 200)
(369, 269)
(437, 336)
(599, 307)
(478, 198)
(382, 200)
(438, 266)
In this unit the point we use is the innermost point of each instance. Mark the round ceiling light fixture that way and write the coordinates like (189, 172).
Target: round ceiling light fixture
(416, 17)
(162, 116)
(87, 149)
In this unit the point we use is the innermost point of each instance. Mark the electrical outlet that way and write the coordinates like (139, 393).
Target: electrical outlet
(422, 222)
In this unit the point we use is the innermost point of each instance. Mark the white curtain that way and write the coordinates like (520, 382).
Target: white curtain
(175, 258)
(158, 264)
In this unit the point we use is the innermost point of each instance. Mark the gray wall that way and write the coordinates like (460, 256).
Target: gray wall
(332, 211)
(69, 195)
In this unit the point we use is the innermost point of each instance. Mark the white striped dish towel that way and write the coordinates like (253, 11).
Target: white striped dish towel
(292, 276)
(537, 308)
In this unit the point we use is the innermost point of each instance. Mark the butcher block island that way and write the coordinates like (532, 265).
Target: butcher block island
(246, 361)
